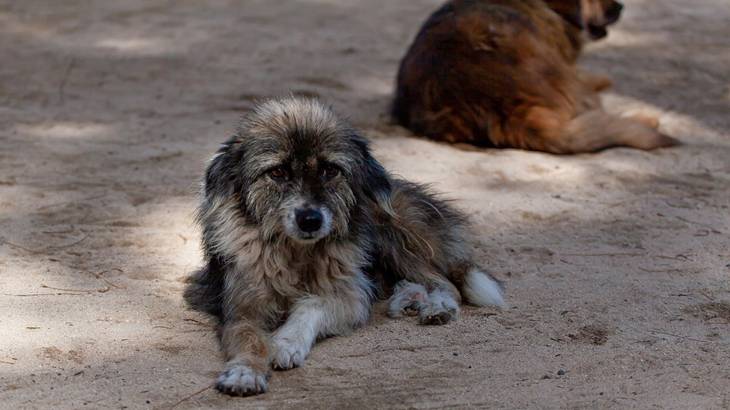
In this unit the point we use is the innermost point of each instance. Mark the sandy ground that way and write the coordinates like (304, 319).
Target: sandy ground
(617, 264)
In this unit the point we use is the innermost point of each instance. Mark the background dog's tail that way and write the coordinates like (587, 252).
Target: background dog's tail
(482, 289)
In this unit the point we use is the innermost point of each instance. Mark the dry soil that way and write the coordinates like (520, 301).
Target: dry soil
(616, 264)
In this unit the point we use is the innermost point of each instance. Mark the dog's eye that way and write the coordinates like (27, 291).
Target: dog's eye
(328, 172)
(278, 173)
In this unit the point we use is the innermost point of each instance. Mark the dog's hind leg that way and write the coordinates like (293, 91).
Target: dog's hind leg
(436, 306)
(595, 82)
(588, 132)
(440, 308)
(408, 299)
(442, 302)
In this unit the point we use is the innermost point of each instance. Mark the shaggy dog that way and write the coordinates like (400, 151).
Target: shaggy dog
(502, 73)
(302, 227)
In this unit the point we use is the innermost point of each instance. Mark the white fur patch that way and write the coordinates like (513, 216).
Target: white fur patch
(481, 290)
(293, 340)
(440, 308)
(408, 298)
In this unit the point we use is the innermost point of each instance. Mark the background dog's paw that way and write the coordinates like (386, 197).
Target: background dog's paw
(440, 309)
(241, 380)
(288, 354)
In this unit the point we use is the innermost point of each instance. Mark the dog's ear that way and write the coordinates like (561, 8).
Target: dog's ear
(570, 10)
(221, 176)
(375, 181)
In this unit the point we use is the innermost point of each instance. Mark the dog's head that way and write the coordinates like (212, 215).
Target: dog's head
(297, 171)
(593, 16)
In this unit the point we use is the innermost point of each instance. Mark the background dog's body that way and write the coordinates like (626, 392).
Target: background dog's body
(502, 73)
(302, 226)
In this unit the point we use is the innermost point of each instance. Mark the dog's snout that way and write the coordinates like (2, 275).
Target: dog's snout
(308, 220)
(614, 12)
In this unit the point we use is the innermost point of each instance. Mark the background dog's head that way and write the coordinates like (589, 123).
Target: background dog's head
(593, 16)
(296, 171)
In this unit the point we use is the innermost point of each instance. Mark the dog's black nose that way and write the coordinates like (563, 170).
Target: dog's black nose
(614, 12)
(309, 220)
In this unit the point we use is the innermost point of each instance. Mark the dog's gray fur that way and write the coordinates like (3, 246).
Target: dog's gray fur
(278, 287)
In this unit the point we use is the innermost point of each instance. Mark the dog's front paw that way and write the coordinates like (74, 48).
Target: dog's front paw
(242, 380)
(440, 309)
(288, 353)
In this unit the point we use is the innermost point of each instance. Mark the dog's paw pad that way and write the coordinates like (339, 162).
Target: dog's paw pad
(440, 310)
(241, 380)
(289, 354)
(440, 318)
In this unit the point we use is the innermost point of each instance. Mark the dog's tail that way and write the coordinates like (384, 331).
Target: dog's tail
(481, 289)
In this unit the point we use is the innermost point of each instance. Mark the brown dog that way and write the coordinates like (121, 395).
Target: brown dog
(502, 73)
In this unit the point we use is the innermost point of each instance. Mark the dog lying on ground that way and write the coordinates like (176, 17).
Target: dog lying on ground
(302, 227)
(502, 73)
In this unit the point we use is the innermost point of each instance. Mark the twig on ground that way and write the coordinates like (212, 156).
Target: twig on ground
(658, 332)
(80, 291)
(70, 230)
(660, 270)
(46, 250)
(190, 396)
(87, 199)
(198, 322)
(604, 254)
(42, 294)
(679, 257)
(109, 283)
(64, 80)
(708, 226)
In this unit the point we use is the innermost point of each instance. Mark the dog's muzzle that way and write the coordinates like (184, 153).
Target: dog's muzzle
(308, 223)
(308, 220)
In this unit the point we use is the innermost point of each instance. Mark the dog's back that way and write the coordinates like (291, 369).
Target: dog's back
(473, 63)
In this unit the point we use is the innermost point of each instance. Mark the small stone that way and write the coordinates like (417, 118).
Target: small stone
(561, 372)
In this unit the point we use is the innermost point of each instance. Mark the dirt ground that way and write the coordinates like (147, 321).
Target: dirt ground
(616, 264)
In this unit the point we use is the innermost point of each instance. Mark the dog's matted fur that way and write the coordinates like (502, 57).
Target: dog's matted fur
(302, 227)
(502, 73)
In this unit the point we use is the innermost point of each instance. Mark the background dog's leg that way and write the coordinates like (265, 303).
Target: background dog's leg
(591, 131)
(247, 353)
(313, 317)
(646, 119)
(595, 82)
